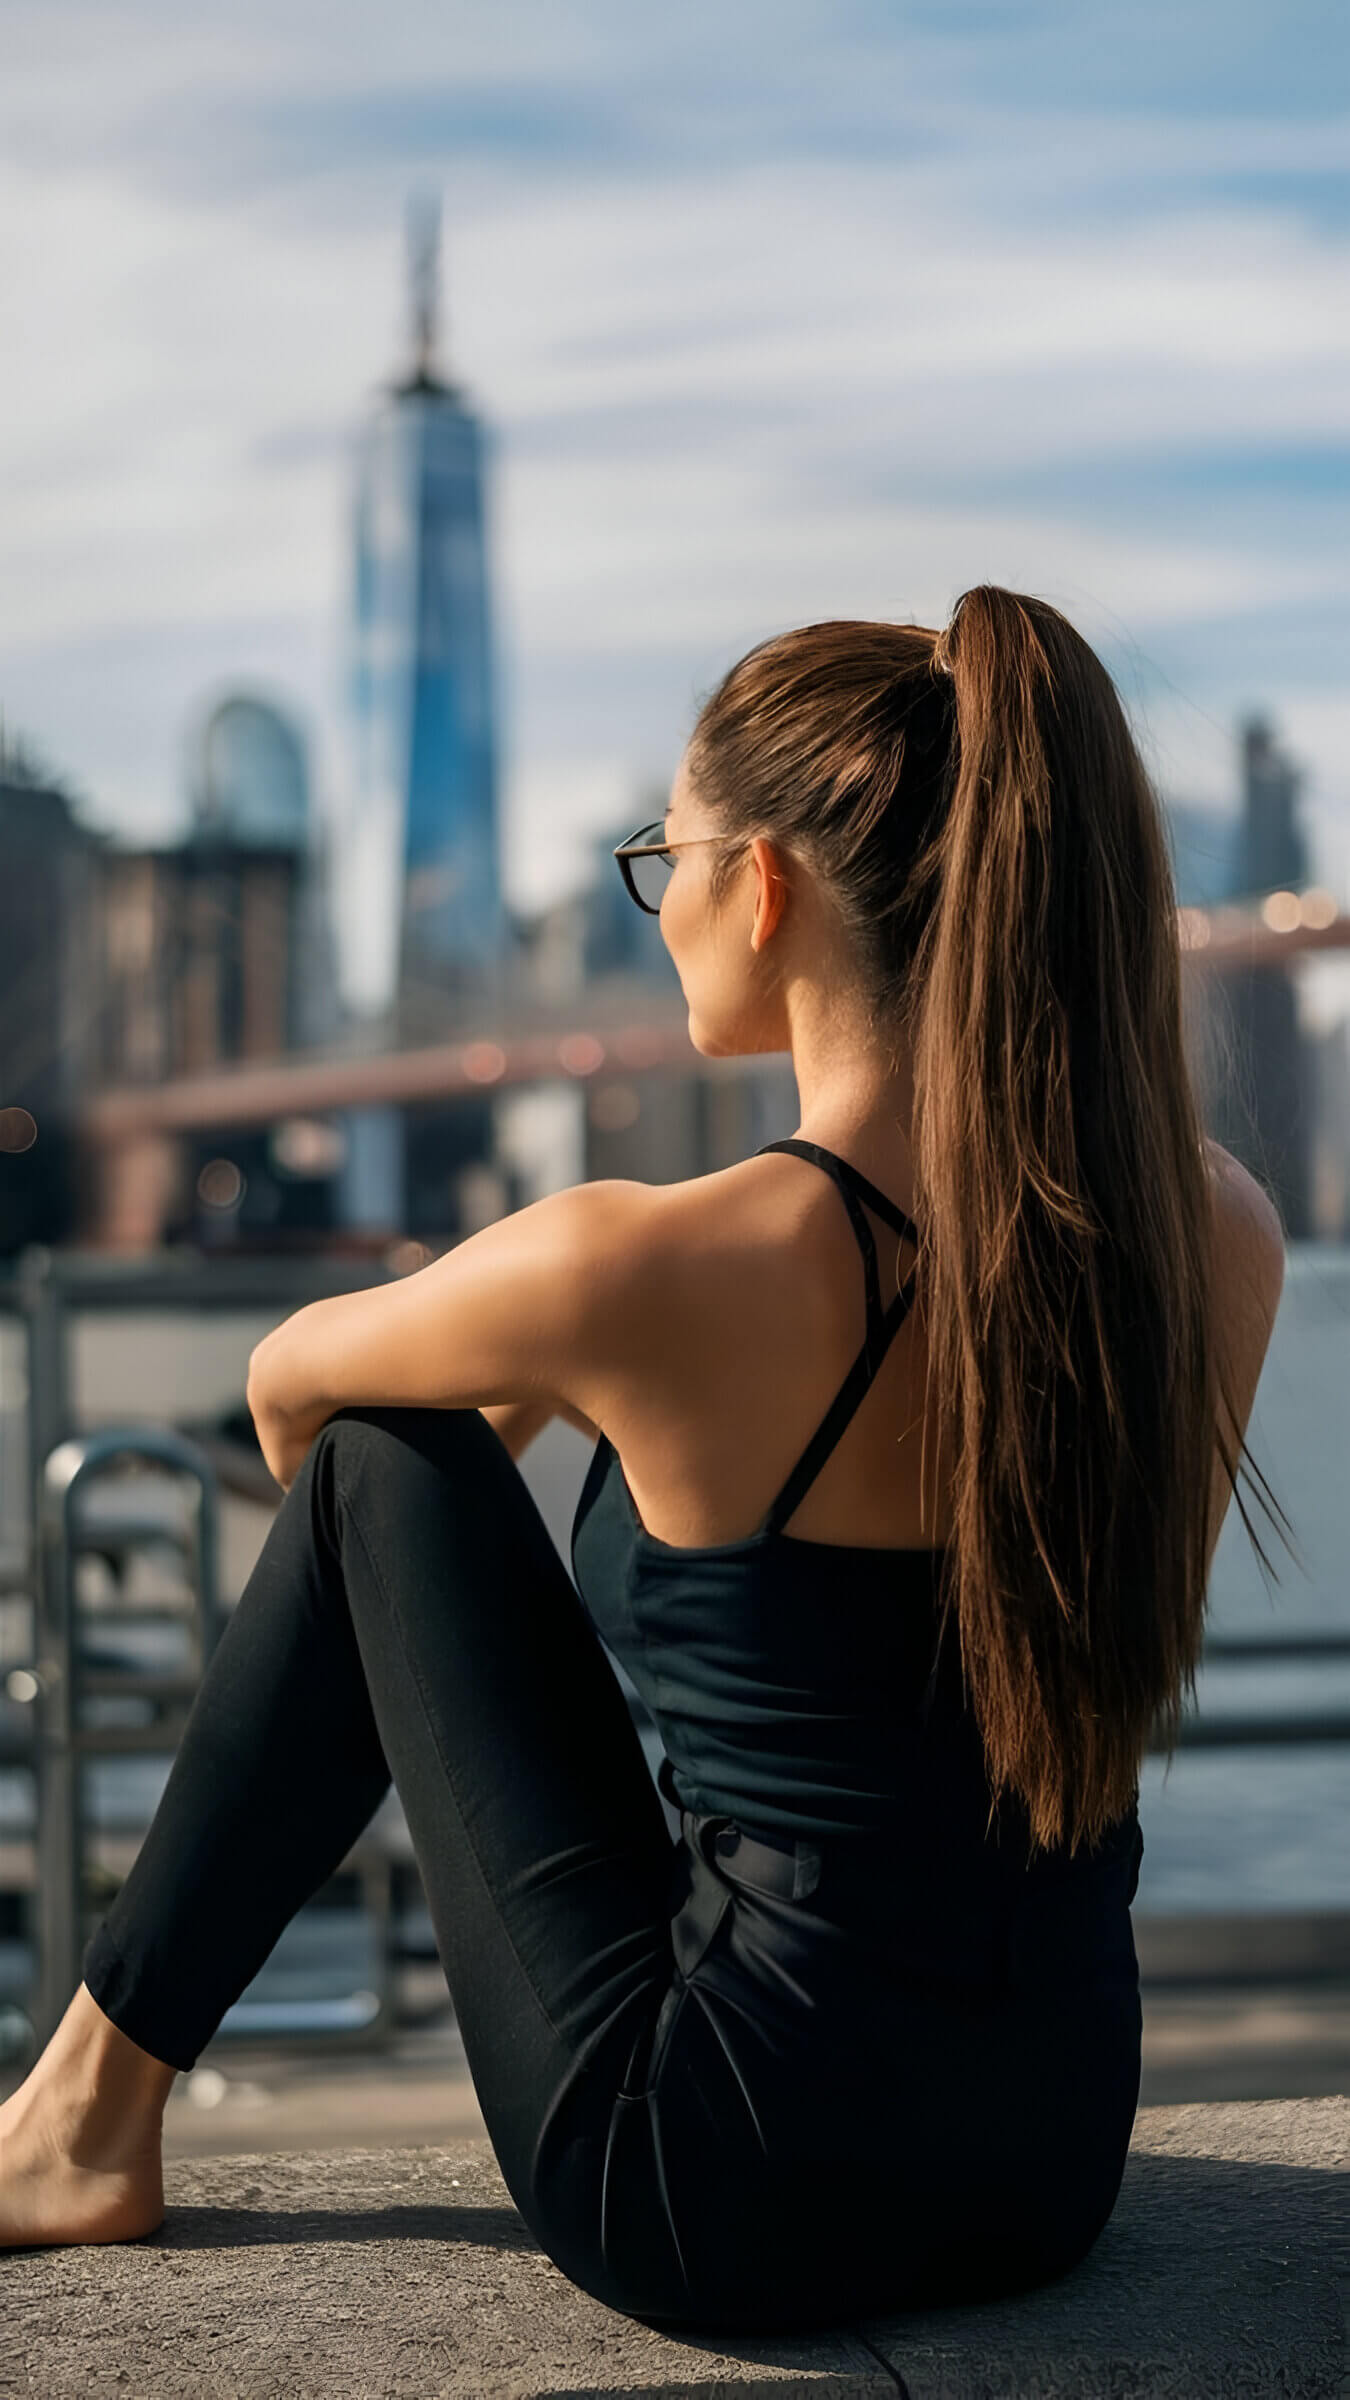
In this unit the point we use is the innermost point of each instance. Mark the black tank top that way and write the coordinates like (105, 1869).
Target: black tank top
(797, 1685)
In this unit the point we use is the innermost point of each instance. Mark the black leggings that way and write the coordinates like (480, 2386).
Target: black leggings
(713, 2103)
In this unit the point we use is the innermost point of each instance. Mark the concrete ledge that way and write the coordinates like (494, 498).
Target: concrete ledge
(361, 2275)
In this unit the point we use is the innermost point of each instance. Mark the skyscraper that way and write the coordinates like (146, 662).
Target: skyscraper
(418, 900)
(1265, 1114)
(250, 783)
(1274, 848)
(48, 998)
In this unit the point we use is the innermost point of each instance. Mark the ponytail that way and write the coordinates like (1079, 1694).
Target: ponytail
(1064, 1210)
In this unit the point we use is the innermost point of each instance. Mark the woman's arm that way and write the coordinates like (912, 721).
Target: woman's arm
(539, 1312)
(1247, 1271)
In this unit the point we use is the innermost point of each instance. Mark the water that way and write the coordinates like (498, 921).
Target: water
(1269, 1829)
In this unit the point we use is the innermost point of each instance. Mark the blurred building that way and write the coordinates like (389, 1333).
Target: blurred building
(417, 896)
(250, 782)
(209, 952)
(657, 1128)
(196, 958)
(1273, 852)
(1206, 843)
(1330, 1195)
(49, 997)
(1264, 1100)
(249, 789)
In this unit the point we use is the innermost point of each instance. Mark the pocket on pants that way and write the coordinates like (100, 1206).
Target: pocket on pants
(695, 1922)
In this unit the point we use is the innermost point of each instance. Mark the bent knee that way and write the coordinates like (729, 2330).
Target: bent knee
(398, 1437)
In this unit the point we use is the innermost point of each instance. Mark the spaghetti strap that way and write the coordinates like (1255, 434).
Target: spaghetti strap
(853, 1187)
(847, 1176)
(861, 1228)
(846, 1400)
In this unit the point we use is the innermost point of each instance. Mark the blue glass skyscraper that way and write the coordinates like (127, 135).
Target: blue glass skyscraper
(420, 914)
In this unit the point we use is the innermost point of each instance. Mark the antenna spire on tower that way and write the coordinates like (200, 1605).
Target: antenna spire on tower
(424, 277)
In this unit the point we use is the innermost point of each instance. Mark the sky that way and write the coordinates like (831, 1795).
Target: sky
(774, 312)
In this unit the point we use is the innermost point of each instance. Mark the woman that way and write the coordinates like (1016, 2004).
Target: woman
(867, 2035)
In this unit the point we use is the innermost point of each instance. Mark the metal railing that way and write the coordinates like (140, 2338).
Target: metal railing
(67, 1676)
(1266, 1728)
(83, 1696)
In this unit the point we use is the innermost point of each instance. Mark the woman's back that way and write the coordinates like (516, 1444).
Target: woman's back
(787, 1673)
(753, 1311)
(756, 1312)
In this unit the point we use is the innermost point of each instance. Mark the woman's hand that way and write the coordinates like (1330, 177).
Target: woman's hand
(284, 1433)
(284, 1447)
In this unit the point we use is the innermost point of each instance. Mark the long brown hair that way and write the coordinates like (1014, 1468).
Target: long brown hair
(976, 806)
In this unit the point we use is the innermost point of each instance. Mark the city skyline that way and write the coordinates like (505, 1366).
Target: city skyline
(834, 324)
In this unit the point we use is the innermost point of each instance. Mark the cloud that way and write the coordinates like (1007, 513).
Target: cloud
(773, 313)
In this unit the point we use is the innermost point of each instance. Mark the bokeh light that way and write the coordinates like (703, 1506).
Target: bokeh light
(221, 1184)
(18, 1130)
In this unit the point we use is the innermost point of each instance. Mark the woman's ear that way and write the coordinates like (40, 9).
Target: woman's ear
(770, 892)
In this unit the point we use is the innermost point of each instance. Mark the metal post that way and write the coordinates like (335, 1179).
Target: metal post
(60, 1838)
(40, 1292)
(59, 1845)
(62, 1741)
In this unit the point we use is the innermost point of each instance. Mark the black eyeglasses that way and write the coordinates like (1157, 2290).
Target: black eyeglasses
(646, 863)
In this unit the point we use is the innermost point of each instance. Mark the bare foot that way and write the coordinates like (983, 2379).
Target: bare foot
(80, 2139)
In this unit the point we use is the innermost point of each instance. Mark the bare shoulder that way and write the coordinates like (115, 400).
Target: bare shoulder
(646, 1242)
(688, 1241)
(1249, 1251)
(600, 1232)
(663, 1261)
(1247, 1277)
(624, 1246)
(668, 1218)
(612, 1232)
(609, 1235)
